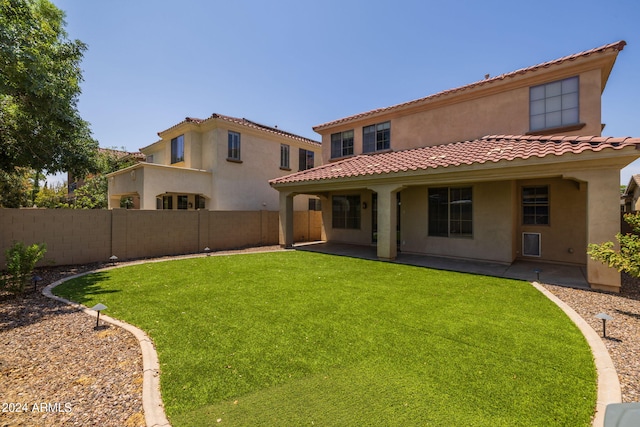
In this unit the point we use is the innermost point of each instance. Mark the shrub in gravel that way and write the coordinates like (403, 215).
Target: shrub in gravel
(21, 260)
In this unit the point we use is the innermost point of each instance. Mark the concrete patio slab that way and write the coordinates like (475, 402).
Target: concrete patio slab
(549, 273)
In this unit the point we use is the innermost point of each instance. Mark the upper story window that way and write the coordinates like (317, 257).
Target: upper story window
(234, 146)
(376, 137)
(284, 156)
(342, 144)
(306, 159)
(177, 149)
(554, 104)
(149, 158)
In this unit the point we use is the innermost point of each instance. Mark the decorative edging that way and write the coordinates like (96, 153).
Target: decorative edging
(609, 390)
(152, 406)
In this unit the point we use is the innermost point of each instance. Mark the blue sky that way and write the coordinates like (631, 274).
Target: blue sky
(296, 64)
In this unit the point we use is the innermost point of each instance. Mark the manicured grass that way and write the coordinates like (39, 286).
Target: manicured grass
(295, 338)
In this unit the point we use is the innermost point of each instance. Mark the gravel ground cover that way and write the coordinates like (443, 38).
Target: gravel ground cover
(622, 333)
(57, 370)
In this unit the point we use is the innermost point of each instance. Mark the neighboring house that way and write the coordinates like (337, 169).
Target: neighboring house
(488, 171)
(218, 163)
(630, 199)
(73, 184)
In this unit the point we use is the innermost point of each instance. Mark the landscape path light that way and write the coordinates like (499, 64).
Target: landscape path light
(98, 307)
(35, 281)
(537, 271)
(604, 318)
(113, 259)
(207, 250)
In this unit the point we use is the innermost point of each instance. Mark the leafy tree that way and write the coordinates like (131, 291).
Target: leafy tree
(93, 192)
(40, 75)
(626, 259)
(52, 196)
(16, 187)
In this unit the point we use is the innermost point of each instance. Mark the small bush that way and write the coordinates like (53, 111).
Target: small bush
(627, 258)
(21, 260)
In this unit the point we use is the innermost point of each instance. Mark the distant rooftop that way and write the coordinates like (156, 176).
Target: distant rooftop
(244, 122)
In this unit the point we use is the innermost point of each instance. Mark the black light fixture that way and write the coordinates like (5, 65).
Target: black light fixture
(35, 280)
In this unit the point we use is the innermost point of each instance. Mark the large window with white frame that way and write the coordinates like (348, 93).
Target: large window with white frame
(376, 137)
(342, 144)
(554, 104)
(451, 212)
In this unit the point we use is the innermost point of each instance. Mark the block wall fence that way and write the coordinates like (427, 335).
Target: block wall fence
(86, 236)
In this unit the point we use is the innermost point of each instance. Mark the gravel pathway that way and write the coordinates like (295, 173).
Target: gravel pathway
(623, 332)
(57, 370)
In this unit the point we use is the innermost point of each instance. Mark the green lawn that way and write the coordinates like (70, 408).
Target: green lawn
(296, 338)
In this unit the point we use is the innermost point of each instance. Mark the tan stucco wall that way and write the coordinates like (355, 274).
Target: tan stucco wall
(474, 116)
(492, 228)
(76, 236)
(232, 185)
(361, 236)
(150, 181)
(497, 223)
(565, 238)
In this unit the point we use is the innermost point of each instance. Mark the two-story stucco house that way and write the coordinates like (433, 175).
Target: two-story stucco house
(508, 168)
(218, 163)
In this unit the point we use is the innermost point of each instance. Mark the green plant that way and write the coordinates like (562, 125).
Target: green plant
(295, 338)
(21, 260)
(626, 259)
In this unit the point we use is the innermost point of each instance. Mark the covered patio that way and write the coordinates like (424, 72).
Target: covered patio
(486, 200)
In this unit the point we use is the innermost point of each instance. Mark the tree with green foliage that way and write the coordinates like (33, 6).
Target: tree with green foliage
(93, 193)
(627, 258)
(16, 187)
(40, 75)
(52, 196)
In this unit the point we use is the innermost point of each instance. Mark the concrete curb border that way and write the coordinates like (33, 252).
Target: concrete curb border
(609, 390)
(151, 398)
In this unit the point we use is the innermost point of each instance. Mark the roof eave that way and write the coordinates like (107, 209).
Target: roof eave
(519, 168)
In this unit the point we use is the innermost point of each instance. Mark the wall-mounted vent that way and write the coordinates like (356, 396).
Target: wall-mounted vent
(531, 244)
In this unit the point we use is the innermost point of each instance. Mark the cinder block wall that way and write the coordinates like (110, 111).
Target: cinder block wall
(85, 236)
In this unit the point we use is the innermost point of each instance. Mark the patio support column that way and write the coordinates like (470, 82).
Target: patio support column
(286, 220)
(387, 220)
(603, 222)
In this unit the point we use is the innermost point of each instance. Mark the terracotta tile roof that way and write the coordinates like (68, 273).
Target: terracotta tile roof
(120, 153)
(245, 122)
(616, 47)
(494, 148)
